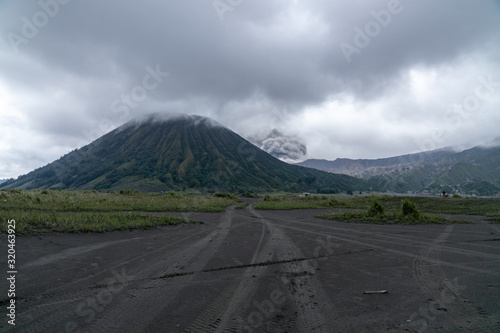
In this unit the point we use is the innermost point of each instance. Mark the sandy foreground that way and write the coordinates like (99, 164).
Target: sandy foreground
(260, 271)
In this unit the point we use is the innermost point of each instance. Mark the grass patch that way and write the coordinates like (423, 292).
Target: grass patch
(392, 218)
(494, 217)
(242, 206)
(36, 222)
(90, 211)
(228, 196)
(249, 195)
(288, 203)
(434, 205)
(409, 214)
(91, 201)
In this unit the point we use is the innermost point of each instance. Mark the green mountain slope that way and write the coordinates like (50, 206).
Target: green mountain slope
(178, 153)
(473, 171)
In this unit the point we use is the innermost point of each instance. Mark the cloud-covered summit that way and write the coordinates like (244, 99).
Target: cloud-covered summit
(161, 117)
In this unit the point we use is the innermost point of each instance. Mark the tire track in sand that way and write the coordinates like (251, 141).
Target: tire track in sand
(154, 293)
(445, 297)
(305, 292)
(45, 310)
(219, 314)
(124, 310)
(314, 310)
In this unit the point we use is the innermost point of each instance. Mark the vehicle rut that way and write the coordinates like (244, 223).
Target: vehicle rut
(155, 294)
(445, 296)
(128, 297)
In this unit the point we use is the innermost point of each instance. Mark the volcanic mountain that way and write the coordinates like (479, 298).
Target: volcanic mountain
(178, 152)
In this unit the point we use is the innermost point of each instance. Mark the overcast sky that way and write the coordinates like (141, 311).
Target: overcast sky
(356, 79)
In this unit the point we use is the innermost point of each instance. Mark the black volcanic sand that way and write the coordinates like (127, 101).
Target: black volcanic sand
(260, 271)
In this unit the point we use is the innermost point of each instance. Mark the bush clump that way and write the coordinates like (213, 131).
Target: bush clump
(409, 208)
(173, 195)
(250, 195)
(333, 202)
(227, 196)
(125, 192)
(376, 209)
(267, 197)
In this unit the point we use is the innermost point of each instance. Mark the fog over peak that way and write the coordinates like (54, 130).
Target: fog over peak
(493, 143)
(356, 79)
(161, 117)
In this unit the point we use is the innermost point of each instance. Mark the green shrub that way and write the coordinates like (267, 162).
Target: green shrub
(333, 202)
(250, 195)
(376, 209)
(409, 208)
(173, 195)
(227, 196)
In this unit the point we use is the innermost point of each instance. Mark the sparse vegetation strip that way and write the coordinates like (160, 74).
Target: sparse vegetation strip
(409, 214)
(458, 206)
(92, 201)
(296, 202)
(90, 211)
(36, 222)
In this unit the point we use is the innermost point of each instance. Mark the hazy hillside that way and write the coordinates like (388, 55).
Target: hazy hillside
(473, 171)
(179, 153)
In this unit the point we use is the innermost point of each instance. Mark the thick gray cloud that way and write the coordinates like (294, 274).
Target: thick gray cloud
(285, 147)
(353, 79)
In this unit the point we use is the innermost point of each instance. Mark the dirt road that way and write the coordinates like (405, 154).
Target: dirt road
(260, 271)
